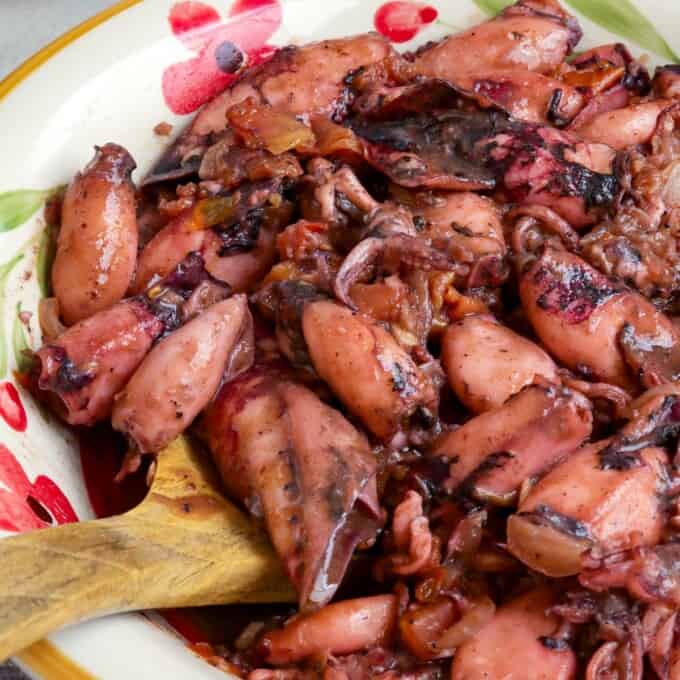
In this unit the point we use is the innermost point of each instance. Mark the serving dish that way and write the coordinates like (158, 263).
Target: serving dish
(116, 77)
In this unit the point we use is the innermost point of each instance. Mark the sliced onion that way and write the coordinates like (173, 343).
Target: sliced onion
(545, 549)
(474, 618)
(48, 315)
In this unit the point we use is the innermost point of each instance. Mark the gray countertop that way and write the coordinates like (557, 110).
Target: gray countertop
(28, 25)
(25, 27)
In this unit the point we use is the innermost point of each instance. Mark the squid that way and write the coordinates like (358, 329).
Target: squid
(232, 165)
(649, 574)
(181, 374)
(81, 371)
(608, 76)
(466, 227)
(487, 363)
(527, 36)
(622, 127)
(373, 376)
(415, 548)
(235, 234)
(384, 240)
(521, 69)
(485, 150)
(493, 453)
(302, 467)
(614, 623)
(436, 629)
(97, 243)
(518, 71)
(595, 325)
(639, 243)
(340, 628)
(392, 243)
(562, 518)
(289, 83)
(521, 642)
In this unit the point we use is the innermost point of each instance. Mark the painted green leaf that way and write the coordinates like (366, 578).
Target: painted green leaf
(17, 206)
(20, 343)
(492, 7)
(624, 19)
(47, 249)
(5, 271)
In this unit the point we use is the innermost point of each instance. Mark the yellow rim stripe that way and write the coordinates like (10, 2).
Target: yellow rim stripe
(47, 662)
(43, 658)
(39, 58)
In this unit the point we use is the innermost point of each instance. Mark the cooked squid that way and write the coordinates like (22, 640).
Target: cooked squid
(340, 628)
(84, 368)
(462, 150)
(235, 234)
(624, 127)
(595, 325)
(423, 310)
(534, 36)
(487, 363)
(289, 83)
(181, 374)
(81, 370)
(639, 243)
(521, 642)
(493, 453)
(561, 518)
(301, 466)
(373, 376)
(97, 246)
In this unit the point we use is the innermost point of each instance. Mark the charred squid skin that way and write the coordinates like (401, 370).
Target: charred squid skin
(591, 322)
(97, 244)
(181, 374)
(577, 314)
(493, 453)
(303, 468)
(562, 517)
(472, 150)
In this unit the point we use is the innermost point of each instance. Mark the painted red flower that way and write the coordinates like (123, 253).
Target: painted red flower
(223, 48)
(11, 408)
(401, 21)
(25, 505)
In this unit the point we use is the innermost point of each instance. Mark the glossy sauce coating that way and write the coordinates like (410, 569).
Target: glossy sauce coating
(97, 246)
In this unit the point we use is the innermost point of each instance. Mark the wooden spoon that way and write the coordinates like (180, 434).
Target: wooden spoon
(184, 545)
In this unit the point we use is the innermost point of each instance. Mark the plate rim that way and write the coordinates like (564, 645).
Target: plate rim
(44, 659)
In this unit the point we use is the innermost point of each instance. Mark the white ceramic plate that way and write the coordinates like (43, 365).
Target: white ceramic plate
(104, 82)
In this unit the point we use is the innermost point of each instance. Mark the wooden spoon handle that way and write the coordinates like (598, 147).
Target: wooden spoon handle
(54, 577)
